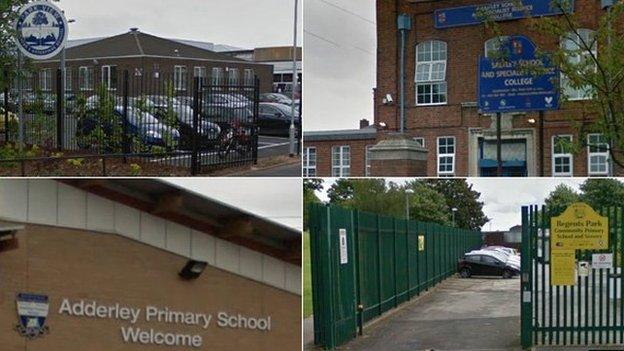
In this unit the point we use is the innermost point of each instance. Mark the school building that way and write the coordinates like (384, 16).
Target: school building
(131, 264)
(442, 117)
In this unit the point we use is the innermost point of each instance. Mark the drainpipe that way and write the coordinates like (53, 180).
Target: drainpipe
(404, 23)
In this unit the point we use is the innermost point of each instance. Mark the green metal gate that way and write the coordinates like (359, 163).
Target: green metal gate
(376, 263)
(587, 313)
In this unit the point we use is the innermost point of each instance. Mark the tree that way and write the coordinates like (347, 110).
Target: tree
(40, 19)
(8, 50)
(309, 187)
(427, 204)
(602, 193)
(340, 192)
(560, 198)
(591, 62)
(460, 195)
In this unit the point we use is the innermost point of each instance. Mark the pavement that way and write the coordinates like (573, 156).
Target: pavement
(459, 314)
(287, 170)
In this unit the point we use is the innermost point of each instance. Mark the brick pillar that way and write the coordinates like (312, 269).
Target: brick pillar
(398, 155)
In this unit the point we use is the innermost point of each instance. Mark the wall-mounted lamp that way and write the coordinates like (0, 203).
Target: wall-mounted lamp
(193, 269)
(531, 120)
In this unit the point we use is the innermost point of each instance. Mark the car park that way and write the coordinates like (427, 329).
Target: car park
(142, 125)
(275, 119)
(487, 263)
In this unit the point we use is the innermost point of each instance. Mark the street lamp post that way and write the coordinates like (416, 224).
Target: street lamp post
(454, 210)
(292, 130)
(408, 192)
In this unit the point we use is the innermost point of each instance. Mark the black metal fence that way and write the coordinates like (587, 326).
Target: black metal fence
(200, 123)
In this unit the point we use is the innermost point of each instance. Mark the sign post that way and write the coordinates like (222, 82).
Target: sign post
(41, 32)
(506, 84)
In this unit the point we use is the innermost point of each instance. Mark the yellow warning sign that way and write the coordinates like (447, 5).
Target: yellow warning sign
(421, 243)
(579, 227)
(562, 267)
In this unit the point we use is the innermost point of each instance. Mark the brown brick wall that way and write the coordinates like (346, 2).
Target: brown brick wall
(165, 67)
(64, 263)
(465, 45)
(323, 155)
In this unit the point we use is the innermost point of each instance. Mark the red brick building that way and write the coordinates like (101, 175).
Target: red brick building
(441, 99)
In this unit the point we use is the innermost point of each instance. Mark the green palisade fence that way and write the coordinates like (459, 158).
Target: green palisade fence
(583, 314)
(384, 266)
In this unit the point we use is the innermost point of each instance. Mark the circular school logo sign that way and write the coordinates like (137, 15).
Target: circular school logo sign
(41, 30)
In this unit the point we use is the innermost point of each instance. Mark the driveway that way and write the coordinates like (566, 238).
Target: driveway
(459, 314)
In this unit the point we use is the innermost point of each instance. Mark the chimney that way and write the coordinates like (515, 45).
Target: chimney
(364, 123)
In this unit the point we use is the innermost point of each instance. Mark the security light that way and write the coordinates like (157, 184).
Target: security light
(193, 269)
(531, 120)
(409, 191)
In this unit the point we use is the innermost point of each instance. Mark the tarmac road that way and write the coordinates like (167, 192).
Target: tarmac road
(459, 314)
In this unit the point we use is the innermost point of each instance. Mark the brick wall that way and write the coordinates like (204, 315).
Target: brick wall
(465, 45)
(324, 155)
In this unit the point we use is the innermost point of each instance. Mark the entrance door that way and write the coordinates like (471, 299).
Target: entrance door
(588, 312)
(514, 154)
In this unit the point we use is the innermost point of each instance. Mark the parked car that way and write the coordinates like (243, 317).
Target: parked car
(487, 263)
(146, 127)
(274, 119)
(508, 252)
(276, 98)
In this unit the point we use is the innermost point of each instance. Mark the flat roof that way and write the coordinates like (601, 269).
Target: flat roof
(344, 134)
(199, 212)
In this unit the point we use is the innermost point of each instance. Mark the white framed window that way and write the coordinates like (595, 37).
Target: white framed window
(341, 161)
(217, 76)
(446, 156)
(233, 76)
(597, 155)
(575, 46)
(45, 79)
(249, 76)
(179, 78)
(420, 141)
(109, 77)
(85, 78)
(367, 165)
(431, 86)
(309, 162)
(493, 45)
(68, 79)
(199, 72)
(562, 159)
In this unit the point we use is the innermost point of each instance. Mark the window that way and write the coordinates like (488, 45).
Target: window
(217, 76)
(179, 78)
(492, 46)
(341, 161)
(199, 72)
(233, 76)
(45, 79)
(85, 78)
(420, 141)
(446, 156)
(68, 79)
(597, 155)
(575, 47)
(309, 162)
(431, 88)
(367, 170)
(109, 77)
(249, 76)
(562, 155)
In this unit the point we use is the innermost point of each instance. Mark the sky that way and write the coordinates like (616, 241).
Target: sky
(278, 199)
(339, 68)
(240, 23)
(503, 198)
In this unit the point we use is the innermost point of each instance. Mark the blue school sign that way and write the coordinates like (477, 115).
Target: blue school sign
(41, 30)
(497, 11)
(504, 86)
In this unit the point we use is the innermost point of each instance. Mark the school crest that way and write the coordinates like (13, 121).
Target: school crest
(41, 30)
(32, 311)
